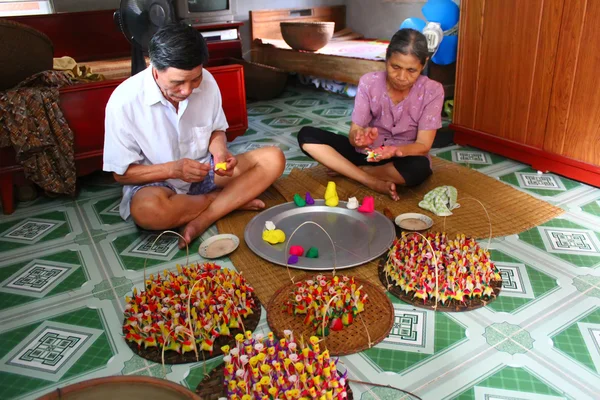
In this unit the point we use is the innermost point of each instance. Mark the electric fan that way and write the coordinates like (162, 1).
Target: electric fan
(139, 20)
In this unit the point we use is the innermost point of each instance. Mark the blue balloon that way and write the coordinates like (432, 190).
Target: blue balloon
(446, 53)
(444, 12)
(413, 23)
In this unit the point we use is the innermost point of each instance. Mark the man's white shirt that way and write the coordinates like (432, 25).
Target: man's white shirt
(142, 127)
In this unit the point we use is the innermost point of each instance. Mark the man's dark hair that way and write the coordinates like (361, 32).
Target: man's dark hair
(409, 42)
(178, 46)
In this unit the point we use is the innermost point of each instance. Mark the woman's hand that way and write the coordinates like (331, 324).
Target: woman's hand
(385, 152)
(365, 137)
(227, 158)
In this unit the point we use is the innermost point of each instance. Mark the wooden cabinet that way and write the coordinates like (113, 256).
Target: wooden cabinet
(526, 86)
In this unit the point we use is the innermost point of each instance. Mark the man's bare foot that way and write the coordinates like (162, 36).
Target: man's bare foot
(253, 205)
(384, 187)
(192, 230)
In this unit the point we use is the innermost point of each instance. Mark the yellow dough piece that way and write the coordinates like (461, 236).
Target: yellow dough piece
(331, 196)
(274, 237)
(221, 165)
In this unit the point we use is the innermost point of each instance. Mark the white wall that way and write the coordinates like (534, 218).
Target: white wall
(378, 19)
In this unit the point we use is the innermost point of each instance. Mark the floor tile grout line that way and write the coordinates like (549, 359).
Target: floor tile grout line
(558, 371)
(102, 265)
(524, 328)
(456, 367)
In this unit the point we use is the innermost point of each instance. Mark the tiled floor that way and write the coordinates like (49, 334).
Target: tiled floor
(66, 266)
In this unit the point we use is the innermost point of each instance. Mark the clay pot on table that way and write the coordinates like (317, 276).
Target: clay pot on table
(307, 36)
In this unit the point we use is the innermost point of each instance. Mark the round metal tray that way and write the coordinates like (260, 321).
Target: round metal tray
(358, 237)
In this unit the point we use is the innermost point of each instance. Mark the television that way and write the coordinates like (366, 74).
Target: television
(199, 12)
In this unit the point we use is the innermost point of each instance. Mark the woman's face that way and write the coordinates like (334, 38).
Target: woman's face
(403, 71)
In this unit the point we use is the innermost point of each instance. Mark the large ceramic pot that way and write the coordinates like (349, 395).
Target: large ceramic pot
(308, 36)
(122, 388)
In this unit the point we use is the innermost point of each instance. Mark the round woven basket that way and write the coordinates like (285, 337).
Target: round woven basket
(451, 306)
(172, 357)
(212, 386)
(378, 318)
(307, 36)
(122, 388)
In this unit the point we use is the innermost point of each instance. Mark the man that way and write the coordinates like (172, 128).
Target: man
(164, 134)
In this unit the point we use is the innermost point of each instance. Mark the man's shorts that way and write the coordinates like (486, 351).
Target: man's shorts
(205, 186)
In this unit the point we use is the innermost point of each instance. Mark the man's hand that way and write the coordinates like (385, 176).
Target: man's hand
(385, 152)
(188, 170)
(365, 137)
(228, 158)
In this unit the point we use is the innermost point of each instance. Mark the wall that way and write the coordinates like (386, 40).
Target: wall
(379, 19)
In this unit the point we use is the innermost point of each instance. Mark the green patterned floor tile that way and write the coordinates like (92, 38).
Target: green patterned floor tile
(115, 288)
(94, 357)
(260, 110)
(307, 102)
(510, 378)
(570, 242)
(334, 112)
(592, 208)
(540, 184)
(472, 158)
(447, 333)
(40, 228)
(287, 122)
(198, 370)
(42, 277)
(107, 210)
(571, 342)
(522, 284)
(336, 131)
(134, 248)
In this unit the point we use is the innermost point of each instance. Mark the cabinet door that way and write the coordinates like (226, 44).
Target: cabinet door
(506, 58)
(574, 116)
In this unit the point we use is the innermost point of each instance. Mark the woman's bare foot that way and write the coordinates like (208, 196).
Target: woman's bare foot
(384, 187)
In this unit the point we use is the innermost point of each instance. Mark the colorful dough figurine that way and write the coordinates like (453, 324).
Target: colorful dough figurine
(221, 165)
(299, 201)
(338, 299)
(309, 200)
(465, 270)
(263, 368)
(159, 315)
(352, 203)
(331, 196)
(368, 205)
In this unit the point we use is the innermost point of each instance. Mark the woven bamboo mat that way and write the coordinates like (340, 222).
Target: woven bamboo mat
(511, 212)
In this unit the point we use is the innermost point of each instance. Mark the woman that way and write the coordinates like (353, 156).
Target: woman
(396, 115)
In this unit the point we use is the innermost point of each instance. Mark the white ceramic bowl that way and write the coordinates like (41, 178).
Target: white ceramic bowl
(413, 222)
(218, 246)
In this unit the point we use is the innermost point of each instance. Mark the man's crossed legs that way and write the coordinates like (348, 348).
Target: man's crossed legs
(160, 208)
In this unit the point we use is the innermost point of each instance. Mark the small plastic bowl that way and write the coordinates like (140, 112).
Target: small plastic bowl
(218, 246)
(413, 222)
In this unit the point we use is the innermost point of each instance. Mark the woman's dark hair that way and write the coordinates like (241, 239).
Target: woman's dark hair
(178, 46)
(409, 42)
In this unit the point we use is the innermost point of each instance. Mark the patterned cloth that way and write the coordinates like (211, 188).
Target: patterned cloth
(441, 201)
(32, 123)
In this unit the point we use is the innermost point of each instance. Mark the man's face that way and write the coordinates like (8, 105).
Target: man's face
(177, 84)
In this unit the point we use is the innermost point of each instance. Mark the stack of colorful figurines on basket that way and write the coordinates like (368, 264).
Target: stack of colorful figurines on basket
(466, 276)
(264, 368)
(200, 306)
(327, 302)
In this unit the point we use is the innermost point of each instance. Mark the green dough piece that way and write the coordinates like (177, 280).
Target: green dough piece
(313, 252)
(300, 202)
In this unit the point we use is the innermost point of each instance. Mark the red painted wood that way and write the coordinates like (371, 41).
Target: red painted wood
(538, 159)
(93, 35)
(230, 79)
(88, 35)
